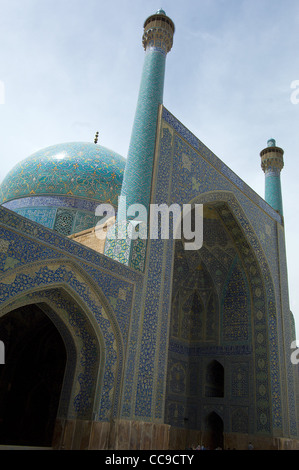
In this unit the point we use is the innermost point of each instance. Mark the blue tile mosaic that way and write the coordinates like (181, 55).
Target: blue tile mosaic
(71, 177)
(145, 323)
(76, 169)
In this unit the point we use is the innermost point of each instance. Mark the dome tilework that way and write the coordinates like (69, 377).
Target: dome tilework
(77, 169)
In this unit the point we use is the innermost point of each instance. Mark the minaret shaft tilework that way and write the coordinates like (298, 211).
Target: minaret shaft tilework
(157, 41)
(273, 191)
(272, 164)
(137, 182)
(138, 172)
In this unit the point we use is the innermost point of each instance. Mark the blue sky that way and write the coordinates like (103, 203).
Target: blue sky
(73, 67)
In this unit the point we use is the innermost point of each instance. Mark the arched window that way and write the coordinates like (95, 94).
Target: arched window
(214, 384)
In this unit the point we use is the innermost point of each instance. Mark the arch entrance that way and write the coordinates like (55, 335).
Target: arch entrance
(32, 377)
(213, 434)
(222, 300)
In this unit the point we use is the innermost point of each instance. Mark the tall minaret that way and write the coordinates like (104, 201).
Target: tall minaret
(157, 41)
(272, 164)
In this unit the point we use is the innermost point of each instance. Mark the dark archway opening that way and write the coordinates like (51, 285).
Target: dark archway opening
(214, 380)
(213, 434)
(31, 378)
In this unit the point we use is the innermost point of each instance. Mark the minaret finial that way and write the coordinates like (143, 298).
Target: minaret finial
(96, 138)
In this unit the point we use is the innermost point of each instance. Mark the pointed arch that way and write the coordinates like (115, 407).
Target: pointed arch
(213, 431)
(85, 319)
(263, 317)
(32, 377)
(234, 258)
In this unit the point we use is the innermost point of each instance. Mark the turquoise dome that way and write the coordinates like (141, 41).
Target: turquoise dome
(161, 12)
(76, 169)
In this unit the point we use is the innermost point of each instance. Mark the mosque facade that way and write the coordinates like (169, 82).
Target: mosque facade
(139, 342)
